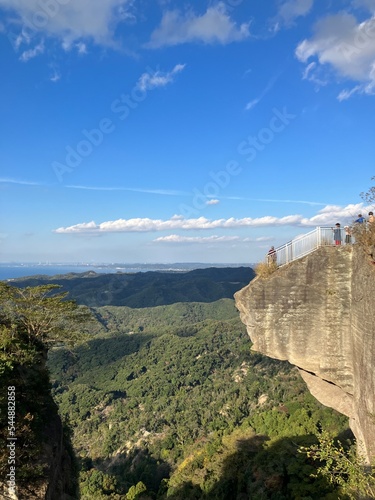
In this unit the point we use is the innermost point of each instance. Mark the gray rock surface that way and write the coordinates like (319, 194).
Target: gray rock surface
(318, 313)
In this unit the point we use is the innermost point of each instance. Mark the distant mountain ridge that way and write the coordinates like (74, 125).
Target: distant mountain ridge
(148, 289)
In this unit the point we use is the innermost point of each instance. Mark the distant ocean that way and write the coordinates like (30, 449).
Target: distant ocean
(12, 271)
(21, 270)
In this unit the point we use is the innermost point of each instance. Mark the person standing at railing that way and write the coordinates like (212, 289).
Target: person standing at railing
(371, 218)
(348, 235)
(271, 256)
(360, 219)
(337, 234)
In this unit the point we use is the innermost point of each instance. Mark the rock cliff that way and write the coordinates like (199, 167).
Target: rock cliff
(318, 313)
(45, 467)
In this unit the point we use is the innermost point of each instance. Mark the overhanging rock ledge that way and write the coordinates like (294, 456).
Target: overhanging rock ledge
(318, 313)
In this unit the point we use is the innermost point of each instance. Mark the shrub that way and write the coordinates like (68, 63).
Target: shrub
(265, 269)
(343, 467)
(365, 236)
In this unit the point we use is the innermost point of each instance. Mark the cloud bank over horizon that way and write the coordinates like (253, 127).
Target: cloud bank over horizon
(326, 216)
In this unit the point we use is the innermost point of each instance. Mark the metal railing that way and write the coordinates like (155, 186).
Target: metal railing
(305, 244)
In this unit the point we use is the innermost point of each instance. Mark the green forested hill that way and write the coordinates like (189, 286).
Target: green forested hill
(170, 402)
(148, 289)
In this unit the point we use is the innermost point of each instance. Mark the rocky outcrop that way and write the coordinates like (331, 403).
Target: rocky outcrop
(318, 313)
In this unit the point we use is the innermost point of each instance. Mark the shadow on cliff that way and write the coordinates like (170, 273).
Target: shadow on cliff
(261, 469)
(44, 457)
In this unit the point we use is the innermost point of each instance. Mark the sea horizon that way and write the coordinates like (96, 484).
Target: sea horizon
(14, 270)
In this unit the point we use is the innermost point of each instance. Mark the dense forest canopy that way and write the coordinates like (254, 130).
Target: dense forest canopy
(172, 399)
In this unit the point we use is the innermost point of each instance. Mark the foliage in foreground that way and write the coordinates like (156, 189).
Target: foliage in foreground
(31, 320)
(365, 236)
(342, 466)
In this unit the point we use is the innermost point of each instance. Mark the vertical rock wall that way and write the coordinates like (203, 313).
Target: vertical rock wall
(318, 314)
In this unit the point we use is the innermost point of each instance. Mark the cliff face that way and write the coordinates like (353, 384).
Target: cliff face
(45, 468)
(318, 313)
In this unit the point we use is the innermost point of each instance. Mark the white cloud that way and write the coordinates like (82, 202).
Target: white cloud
(308, 69)
(335, 213)
(214, 26)
(69, 20)
(84, 227)
(81, 48)
(55, 77)
(314, 74)
(149, 81)
(346, 94)
(175, 238)
(31, 53)
(367, 4)
(250, 105)
(365, 88)
(213, 201)
(262, 238)
(326, 216)
(345, 45)
(292, 9)
(8, 180)
(164, 192)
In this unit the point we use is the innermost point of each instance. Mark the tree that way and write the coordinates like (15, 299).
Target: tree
(136, 491)
(31, 320)
(39, 316)
(364, 234)
(369, 196)
(96, 484)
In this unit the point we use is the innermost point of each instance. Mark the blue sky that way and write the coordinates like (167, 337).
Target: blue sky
(169, 131)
